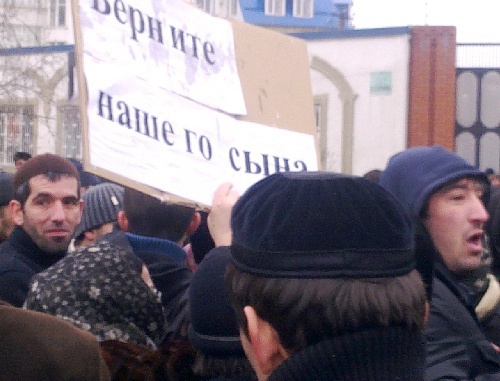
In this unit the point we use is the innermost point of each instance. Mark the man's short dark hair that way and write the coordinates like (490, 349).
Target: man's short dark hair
(21, 155)
(149, 216)
(235, 368)
(305, 311)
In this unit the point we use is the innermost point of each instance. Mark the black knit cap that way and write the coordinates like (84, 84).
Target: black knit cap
(213, 329)
(43, 164)
(102, 203)
(320, 225)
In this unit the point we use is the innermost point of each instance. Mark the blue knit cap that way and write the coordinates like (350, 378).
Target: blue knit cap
(320, 225)
(416, 173)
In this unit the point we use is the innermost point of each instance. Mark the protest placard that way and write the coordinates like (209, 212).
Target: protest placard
(170, 126)
(168, 44)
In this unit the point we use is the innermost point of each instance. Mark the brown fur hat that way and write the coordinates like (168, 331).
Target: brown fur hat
(42, 164)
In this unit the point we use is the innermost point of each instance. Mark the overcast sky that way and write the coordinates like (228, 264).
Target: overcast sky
(476, 21)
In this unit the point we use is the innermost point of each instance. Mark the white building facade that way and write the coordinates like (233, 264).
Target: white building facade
(37, 112)
(360, 85)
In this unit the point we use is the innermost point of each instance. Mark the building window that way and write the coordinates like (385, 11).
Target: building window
(220, 8)
(70, 138)
(275, 7)
(343, 12)
(321, 116)
(21, 3)
(16, 131)
(20, 36)
(57, 13)
(206, 5)
(233, 7)
(303, 8)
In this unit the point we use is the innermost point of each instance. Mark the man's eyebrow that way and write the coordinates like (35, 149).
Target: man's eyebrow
(477, 185)
(48, 195)
(70, 198)
(42, 194)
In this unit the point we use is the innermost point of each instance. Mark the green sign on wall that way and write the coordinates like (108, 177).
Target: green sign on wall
(381, 83)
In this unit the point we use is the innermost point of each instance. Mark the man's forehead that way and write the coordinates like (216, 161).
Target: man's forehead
(61, 182)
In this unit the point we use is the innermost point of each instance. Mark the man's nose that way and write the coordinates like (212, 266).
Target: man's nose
(58, 213)
(478, 211)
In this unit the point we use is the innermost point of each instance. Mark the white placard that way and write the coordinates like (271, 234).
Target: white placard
(173, 144)
(170, 44)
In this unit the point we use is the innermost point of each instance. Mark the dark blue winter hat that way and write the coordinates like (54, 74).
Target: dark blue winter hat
(87, 179)
(213, 329)
(6, 188)
(320, 225)
(415, 174)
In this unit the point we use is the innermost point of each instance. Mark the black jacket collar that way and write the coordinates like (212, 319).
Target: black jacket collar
(377, 354)
(23, 244)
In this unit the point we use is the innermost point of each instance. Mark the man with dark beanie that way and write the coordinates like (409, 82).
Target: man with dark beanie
(444, 195)
(213, 330)
(46, 209)
(154, 231)
(323, 280)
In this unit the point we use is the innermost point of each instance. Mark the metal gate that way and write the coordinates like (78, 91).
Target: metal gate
(477, 121)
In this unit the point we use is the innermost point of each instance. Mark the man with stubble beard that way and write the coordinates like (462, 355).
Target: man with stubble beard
(445, 196)
(46, 209)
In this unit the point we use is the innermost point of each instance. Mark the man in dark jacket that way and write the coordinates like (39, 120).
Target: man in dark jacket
(20, 158)
(39, 347)
(493, 228)
(155, 231)
(444, 196)
(46, 209)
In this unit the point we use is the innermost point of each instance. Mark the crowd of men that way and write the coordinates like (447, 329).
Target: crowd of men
(304, 276)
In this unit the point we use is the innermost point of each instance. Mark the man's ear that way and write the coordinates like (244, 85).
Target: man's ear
(264, 341)
(82, 205)
(123, 221)
(194, 224)
(427, 312)
(16, 211)
(90, 235)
